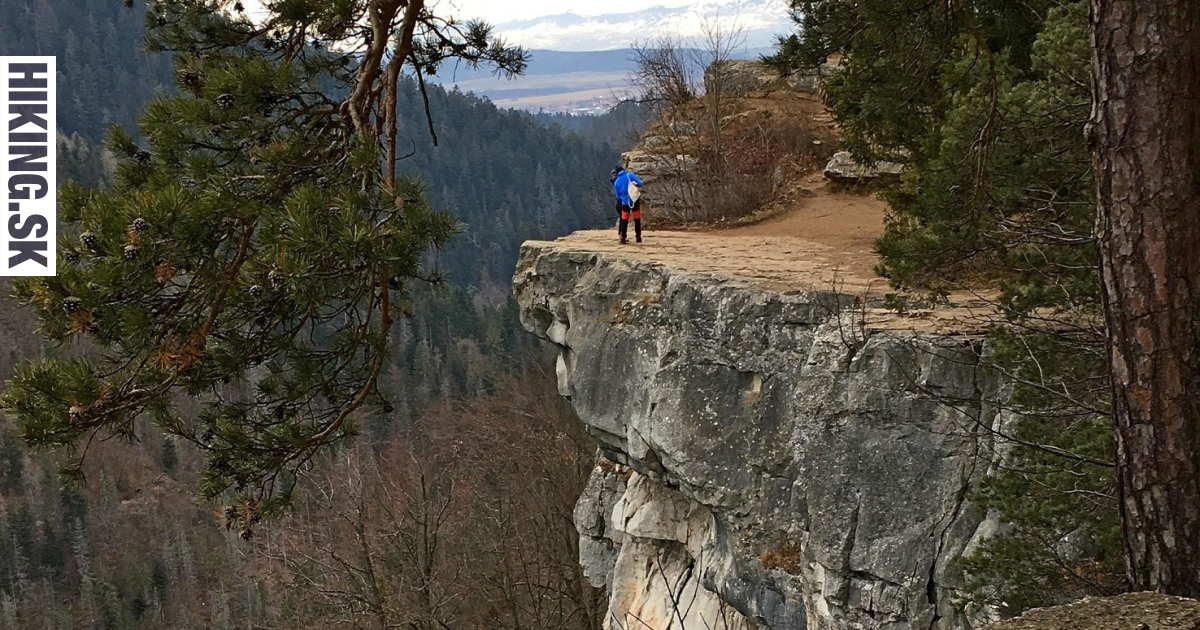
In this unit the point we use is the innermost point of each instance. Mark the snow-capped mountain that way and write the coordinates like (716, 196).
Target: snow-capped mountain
(759, 21)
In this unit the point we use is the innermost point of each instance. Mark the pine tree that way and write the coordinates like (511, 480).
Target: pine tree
(1144, 129)
(170, 457)
(985, 101)
(254, 248)
(12, 466)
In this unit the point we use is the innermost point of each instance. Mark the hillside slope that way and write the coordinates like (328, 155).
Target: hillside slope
(129, 547)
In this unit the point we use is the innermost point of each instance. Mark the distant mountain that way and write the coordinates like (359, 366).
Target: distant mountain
(549, 62)
(760, 21)
(560, 81)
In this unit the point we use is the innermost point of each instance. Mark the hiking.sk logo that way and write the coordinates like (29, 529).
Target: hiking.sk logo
(27, 231)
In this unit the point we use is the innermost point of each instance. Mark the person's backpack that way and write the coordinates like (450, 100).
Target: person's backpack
(635, 192)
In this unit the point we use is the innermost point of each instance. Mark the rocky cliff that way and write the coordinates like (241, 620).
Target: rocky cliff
(772, 456)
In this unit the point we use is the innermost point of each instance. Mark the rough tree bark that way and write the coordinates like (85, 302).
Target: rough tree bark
(1145, 133)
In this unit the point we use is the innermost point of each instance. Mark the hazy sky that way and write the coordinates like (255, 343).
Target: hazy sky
(508, 10)
(624, 22)
(497, 11)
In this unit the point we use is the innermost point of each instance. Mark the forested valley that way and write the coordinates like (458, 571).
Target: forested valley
(451, 509)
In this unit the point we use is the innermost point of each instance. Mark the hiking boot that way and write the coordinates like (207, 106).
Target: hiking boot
(623, 241)
(639, 239)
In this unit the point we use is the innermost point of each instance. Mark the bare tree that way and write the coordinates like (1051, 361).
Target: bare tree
(719, 39)
(462, 522)
(664, 75)
(689, 156)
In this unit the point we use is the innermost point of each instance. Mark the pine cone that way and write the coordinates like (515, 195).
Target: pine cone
(255, 291)
(161, 20)
(131, 252)
(89, 240)
(72, 257)
(285, 229)
(141, 155)
(139, 226)
(189, 79)
(226, 101)
(76, 413)
(72, 305)
(276, 278)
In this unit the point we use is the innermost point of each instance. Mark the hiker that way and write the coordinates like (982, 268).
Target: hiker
(627, 187)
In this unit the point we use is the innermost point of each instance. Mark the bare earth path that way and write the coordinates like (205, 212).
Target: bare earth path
(826, 240)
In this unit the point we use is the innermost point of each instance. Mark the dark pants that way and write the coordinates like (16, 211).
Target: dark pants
(627, 213)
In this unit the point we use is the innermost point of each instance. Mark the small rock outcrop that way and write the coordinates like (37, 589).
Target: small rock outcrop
(737, 77)
(671, 176)
(767, 463)
(843, 169)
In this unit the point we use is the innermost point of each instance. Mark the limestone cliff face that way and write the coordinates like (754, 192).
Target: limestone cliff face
(767, 462)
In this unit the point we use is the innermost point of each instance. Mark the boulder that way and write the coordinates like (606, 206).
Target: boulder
(843, 169)
(736, 77)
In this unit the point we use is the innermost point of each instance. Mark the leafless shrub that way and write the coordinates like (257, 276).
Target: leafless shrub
(664, 75)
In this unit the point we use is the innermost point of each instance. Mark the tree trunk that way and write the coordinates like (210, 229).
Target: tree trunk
(1145, 133)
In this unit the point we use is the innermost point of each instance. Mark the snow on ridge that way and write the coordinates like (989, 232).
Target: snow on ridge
(760, 21)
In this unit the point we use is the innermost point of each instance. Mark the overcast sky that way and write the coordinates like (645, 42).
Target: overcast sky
(509, 10)
(610, 24)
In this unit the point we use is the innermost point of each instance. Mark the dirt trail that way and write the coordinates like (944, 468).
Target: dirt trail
(823, 241)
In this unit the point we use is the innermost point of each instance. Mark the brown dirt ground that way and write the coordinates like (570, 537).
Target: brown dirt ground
(811, 237)
(1132, 611)
(823, 242)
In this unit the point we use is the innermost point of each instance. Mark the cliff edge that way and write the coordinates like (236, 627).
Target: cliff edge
(777, 451)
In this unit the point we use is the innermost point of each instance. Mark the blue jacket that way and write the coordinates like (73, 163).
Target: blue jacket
(621, 186)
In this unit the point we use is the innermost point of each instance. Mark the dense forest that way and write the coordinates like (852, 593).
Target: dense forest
(104, 77)
(466, 483)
